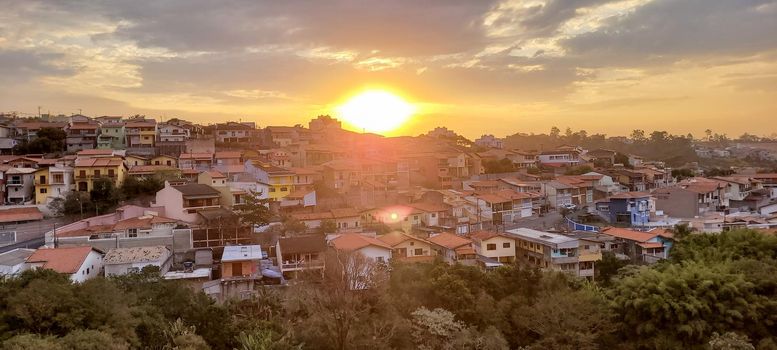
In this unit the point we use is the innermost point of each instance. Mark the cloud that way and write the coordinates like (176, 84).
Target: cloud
(22, 65)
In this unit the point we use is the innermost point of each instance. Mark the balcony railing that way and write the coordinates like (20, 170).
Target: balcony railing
(304, 265)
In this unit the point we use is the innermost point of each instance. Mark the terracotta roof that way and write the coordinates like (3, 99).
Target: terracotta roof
(355, 241)
(485, 235)
(215, 174)
(98, 162)
(20, 214)
(466, 250)
(302, 244)
(95, 152)
(40, 125)
(630, 235)
(397, 237)
(227, 154)
(304, 171)
(647, 245)
(341, 164)
(449, 240)
(143, 124)
(83, 126)
(513, 195)
(63, 260)
(87, 231)
(430, 207)
(344, 213)
(493, 198)
(143, 222)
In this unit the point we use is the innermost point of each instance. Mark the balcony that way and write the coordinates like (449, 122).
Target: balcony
(565, 260)
(302, 265)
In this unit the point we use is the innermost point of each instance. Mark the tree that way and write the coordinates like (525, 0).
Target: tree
(503, 165)
(608, 267)
(555, 132)
(638, 135)
(434, 329)
(579, 170)
(103, 194)
(291, 226)
(76, 203)
(730, 341)
(327, 226)
(254, 210)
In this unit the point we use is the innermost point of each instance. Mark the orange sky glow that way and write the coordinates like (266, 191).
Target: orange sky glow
(476, 67)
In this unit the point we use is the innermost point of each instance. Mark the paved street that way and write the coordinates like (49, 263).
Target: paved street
(30, 235)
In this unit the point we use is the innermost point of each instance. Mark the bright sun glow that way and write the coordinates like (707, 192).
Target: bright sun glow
(376, 111)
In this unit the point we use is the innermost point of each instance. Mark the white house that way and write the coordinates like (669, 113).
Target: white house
(372, 248)
(121, 261)
(12, 262)
(79, 263)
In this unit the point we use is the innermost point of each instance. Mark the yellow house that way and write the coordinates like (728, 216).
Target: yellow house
(52, 182)
(164, 160)
(280, 181)
(494, 245)
(140, 133)
(89, 169)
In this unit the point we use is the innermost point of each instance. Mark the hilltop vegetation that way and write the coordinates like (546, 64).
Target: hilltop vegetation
(718, 291)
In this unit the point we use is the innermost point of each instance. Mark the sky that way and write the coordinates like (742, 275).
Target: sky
(474, 66)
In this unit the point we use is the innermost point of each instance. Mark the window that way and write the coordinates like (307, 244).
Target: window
(434, 215)
(272, 189)
(506, 245)
(412, 243)
(284, 189)
(380, 259)
(43, 179)
(418, 251)
(111, 173)
(96, 173)
(43, 190)
(585, 247)
(491, 246)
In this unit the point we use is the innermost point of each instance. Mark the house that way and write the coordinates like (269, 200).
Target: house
(691, 198)
(164, 160)
(183, 202)
(633, 180)
(82, 135)
(489, 141)
(228, 162)
(20, 185)
(546, 250)
(454, 248)
(398, 217)
(345, 219)
(232, 132)
(494, 245)
(631, 208)
(122, 261)
(53, 182)
(602, 157)
(643, 247)
(300, 253)
(112, 136)
(341, 175)
(408, 248)
(197, 161)
(12, 262)
(78, 263)
(89, 169)
(371, 248)
(560, 157)
(241, 261)
(132, 160)
(15, 216)
(140, 133)
(128, 227)
(172, 133)
(559, 194)
(280, 181)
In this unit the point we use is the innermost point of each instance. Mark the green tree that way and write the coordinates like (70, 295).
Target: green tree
(254, 210)
(327, 226)
(32, 342)
(104, 194)
(608, 267)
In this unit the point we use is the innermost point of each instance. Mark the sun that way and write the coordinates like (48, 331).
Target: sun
(376, 111)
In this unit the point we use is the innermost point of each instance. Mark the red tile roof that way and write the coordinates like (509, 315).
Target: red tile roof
(355, 241)
(63, 260)
(629, 195)
(98, 162)
(627, 234)
(20, 214)
(449, 240)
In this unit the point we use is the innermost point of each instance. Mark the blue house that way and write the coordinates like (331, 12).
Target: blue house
(631, 208)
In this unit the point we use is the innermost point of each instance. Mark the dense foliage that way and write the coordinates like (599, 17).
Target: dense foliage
(717, 292)
(48, 140)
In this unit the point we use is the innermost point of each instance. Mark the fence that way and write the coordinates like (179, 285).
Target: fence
(574, 226)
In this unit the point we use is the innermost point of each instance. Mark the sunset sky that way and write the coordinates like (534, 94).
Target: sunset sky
(474, 66)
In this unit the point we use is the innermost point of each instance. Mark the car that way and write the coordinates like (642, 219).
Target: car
(569, 206)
